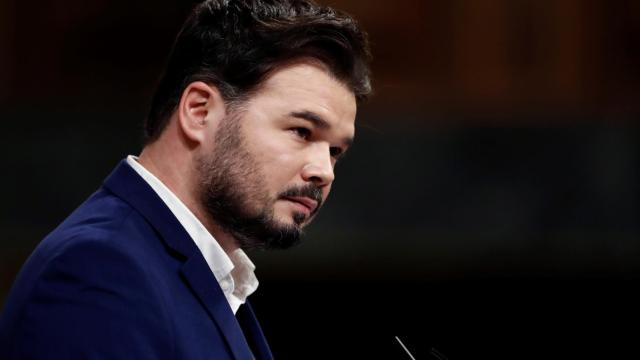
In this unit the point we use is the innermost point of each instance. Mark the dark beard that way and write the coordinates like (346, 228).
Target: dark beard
(231, 182)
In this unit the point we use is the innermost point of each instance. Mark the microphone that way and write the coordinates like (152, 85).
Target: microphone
(405, 348)
(436, 354)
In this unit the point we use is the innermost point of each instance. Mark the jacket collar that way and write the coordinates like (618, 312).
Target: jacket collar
(125, 183)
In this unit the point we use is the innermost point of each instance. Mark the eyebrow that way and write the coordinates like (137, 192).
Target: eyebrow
(312, 117)
(318, 122)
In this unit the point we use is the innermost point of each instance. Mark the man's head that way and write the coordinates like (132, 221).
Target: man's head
(264, 93)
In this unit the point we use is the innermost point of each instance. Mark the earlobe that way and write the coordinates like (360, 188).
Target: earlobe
(200, 107)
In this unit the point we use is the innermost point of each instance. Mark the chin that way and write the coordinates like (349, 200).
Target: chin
(294, 219)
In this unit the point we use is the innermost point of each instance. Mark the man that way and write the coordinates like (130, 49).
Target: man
(256, 105)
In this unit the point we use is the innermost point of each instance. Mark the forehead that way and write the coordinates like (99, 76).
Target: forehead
(308, 86)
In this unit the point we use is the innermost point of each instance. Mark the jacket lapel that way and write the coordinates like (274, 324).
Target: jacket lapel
(253, 332)
(125, 183)
(198, 275)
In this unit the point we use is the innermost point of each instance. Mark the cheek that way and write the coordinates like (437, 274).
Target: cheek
(325, 192)
(279, 160)
(279, 167)
(282, 168)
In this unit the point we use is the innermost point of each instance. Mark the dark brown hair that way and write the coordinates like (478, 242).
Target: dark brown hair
(234, 44)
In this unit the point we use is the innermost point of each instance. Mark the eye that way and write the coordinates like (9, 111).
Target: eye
(301, 132)
(335, 152)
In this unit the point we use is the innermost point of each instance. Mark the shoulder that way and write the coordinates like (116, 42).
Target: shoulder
(86, 291)
(94, 250)
(102, 246)
(104, 223)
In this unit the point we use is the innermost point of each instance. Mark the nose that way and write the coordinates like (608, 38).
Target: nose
(319, 167)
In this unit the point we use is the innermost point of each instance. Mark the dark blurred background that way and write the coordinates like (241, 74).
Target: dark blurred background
(489, 208)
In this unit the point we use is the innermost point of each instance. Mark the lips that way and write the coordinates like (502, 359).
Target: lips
(310, 204)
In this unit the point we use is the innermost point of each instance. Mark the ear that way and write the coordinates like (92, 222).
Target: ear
(200, 110)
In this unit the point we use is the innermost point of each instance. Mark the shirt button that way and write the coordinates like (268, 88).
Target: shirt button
(224, 285)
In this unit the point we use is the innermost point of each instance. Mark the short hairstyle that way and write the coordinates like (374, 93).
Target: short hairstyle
(235, 44)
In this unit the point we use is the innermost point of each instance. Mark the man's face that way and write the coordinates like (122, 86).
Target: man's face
(272, 166)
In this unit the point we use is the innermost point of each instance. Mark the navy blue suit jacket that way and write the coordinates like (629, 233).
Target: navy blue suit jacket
(120, 278)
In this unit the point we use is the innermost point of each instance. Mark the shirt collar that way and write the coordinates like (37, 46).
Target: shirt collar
(234, 272)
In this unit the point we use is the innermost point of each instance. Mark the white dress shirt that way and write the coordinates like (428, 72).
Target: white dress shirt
(235, 272)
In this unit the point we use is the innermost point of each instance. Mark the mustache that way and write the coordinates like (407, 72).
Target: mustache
(311, 191)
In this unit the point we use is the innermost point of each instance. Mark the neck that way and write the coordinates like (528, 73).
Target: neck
(177, 170)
